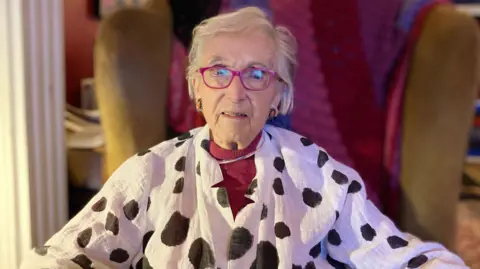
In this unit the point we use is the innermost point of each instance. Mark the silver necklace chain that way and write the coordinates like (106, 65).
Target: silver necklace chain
(244, 156)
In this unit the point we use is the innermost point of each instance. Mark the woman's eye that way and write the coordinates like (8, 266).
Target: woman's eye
(257, 74)
(221, 72)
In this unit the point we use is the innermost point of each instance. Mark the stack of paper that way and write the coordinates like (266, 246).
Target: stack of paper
(83, 128)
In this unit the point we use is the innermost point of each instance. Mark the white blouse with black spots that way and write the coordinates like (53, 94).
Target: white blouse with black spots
(159, 210)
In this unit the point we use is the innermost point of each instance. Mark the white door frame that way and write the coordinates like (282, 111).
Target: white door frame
(33, 178)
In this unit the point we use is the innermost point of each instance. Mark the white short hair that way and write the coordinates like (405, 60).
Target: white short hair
(249, 18)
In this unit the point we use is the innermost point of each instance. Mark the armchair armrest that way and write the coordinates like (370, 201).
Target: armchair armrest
(438, 108)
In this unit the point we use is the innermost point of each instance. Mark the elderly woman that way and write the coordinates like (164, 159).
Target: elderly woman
(236, 193)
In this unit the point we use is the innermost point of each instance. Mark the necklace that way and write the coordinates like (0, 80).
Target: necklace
(244, 156)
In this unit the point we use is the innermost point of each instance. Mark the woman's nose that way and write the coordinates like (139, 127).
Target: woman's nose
(235, 91)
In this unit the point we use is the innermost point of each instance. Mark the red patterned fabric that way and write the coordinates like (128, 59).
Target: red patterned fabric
(182, 115)
(358, 116)
(334, 103)
(311, 98)
(346, 53)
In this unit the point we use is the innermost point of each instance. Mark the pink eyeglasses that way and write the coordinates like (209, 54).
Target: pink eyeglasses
(252, 78)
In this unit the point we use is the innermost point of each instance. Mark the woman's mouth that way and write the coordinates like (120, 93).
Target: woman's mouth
(234, 115)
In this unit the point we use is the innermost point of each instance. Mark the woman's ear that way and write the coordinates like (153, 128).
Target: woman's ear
(276, 102)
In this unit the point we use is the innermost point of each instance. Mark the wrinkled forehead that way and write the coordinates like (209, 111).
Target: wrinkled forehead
(239, 50)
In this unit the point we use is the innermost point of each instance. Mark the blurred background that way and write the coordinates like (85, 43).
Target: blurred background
(389, 87)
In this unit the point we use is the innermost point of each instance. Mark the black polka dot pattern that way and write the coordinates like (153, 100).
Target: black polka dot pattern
(84, 237)
(252, 186)
(176, 230)
(222, 197)
(185, 136)
(368, 233)
(100, 205)
(311, 198)
(316, 250)
(41, 250)
(119, 255)
(310, 265)
(237, 249)
(264, 212)
(396, 242)
(279, 164)
(83, 261)
(205, 144)
(179, 144)
(201, 255)
(306, 142)
(149, 202)
(418, 261)
(334, 238)
(146, 239)
(144, 152)
(281, 230)
(336, 264)
(339, 178)
(354, 187)
(294, 266)
(322, 158)
(180, 164)
(337, 215)
(198, 170)
(278, 186)
(131, 210)
(111, 224)
(240, 242)
(267, 256)
(269, 135)
(179, 185)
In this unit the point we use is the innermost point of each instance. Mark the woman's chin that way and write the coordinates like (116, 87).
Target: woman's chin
(235, 124)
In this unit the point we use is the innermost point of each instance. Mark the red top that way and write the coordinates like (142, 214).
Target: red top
(237, 175)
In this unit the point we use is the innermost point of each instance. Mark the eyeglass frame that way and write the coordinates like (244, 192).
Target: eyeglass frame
(238, 73)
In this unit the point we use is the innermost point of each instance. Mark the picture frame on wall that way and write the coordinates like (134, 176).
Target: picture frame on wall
(101, 8)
